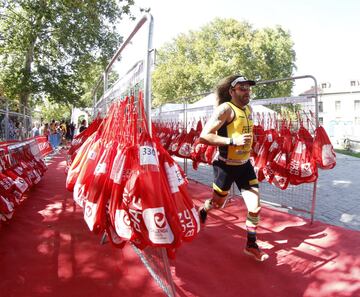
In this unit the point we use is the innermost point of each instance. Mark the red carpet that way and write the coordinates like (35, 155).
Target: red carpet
(305, 260)
(47, 250)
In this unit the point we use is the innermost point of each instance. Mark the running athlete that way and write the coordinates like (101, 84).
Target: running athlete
(231, 129)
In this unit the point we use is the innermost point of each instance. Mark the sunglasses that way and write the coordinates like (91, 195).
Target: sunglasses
(244, 88)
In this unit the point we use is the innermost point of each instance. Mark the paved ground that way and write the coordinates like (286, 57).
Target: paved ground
(337, 193)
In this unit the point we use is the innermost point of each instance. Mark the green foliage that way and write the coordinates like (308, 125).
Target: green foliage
(56, 111)
(80, 119)
(348, 152)
(193, 63)
(57, 48)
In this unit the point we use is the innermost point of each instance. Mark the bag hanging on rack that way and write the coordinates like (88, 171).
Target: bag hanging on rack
(79, 139)
(278, 167)
(259, 138)
(323, 151)
(262, 155)
(119, 219)
(274, 149)
(86, 172)
(280, 175)
(174, 180)
(302, 168)
(197, 150)
(210, 154)
(99, 190)
(176, 142)
(163, 228)
(150, 213)
(79, 160)
(185, 146)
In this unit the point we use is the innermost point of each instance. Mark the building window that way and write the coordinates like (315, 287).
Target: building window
(357, 105)
(321, 121)
(323, 86)
(321, 106)
(357, 121)
(337, 105)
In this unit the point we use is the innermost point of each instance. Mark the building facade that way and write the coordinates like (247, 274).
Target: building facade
(339, 112)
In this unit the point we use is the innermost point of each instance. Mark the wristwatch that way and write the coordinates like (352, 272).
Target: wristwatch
(231, 141)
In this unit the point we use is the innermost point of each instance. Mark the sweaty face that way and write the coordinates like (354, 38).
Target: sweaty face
(241, 93)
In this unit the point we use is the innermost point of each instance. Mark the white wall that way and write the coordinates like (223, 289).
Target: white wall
(343, 122)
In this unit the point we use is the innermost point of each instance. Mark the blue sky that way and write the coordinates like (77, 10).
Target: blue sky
(325, 32)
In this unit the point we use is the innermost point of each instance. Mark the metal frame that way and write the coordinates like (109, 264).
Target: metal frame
(186, 109)
(313, 202)
(25, 116)
(148, 18)
(146, 69)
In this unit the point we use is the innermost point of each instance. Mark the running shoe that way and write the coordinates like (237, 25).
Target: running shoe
(256, 253)
(203, 215)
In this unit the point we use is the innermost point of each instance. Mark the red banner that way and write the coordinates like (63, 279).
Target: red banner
(44, 146)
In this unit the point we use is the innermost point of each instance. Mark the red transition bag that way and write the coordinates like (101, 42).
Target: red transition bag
(119, 226)
(8, 189)
(151, 214)
(86, 174)
(302, 167)
(99, 190)
(78, 162)
(6, 207)
(262, 155)
(20, 184)
(323, 151)
(186, 144)
(175, 180)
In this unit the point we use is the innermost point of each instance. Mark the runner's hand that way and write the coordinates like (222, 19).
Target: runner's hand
(242, 139)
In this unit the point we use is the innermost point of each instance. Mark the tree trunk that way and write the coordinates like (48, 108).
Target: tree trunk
(26, 92)
(29, 58)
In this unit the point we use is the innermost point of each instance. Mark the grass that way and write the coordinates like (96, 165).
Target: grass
(347, 152)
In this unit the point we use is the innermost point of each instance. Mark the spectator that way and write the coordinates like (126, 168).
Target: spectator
(72, 129)
(83, 126)
(63, 130)
(45, 130)
(35, 131)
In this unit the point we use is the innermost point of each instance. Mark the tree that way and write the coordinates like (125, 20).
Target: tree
(55, 111)
(56, 47)
(193, 63)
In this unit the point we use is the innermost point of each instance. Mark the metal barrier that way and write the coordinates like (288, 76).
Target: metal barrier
(351, 144)
(126, 81)
(15, 122)
(297, 199)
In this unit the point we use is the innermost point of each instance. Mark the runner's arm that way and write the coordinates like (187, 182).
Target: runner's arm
(208, 135)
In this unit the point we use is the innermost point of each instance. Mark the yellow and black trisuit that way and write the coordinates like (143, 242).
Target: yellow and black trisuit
(233, 164)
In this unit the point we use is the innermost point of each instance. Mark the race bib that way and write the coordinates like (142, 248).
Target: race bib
(148, 156)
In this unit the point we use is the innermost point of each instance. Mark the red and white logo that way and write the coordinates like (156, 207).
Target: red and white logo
(160, 220)
(90, 214)
(88, 211)
(157, 226)
(122, 224)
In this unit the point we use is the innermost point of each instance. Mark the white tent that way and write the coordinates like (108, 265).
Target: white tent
(201, 109)
(209, 100)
